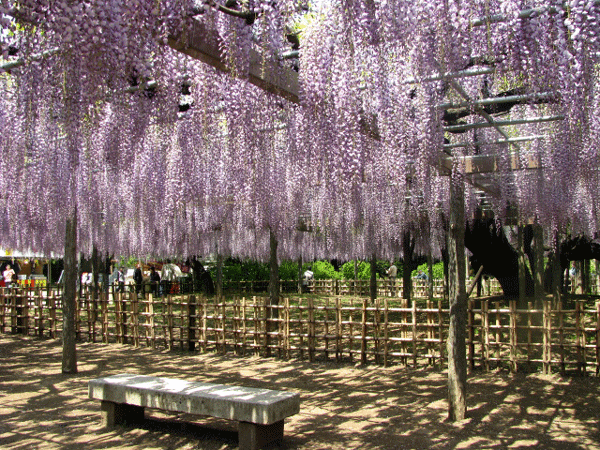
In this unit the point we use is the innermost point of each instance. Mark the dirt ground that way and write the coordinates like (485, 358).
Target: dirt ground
(342, 406)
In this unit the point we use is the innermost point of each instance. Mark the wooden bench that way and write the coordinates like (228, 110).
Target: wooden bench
(260, 412)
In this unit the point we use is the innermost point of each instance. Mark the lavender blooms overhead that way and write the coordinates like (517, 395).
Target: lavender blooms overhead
(356, 163)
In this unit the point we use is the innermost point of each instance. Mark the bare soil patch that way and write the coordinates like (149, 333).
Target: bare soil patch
(343, 406)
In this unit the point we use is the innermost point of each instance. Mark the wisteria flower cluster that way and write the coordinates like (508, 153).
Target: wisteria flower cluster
(160, 154)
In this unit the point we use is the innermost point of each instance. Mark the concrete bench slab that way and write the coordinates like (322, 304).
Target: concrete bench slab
(260, 412)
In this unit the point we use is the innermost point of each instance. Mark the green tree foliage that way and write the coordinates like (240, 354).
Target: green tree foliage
(324, 270)
(288, 270)
(438, 270)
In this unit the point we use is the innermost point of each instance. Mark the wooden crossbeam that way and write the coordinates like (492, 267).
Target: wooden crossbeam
(269, 75)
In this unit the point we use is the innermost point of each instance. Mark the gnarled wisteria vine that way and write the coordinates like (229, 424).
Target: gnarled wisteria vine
(163, 155)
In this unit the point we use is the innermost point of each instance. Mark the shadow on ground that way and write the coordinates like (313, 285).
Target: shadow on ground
(342, 407)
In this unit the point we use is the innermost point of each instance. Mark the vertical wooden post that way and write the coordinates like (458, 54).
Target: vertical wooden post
(471, 333)
(546, 339)
(597, 337)
(363, 341)
(457, 358)
(192, 323)
(512, 306)
(385, 331)
(415, 349)
(339, 329)
(311, 329)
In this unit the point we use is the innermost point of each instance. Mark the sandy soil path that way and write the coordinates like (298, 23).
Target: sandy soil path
(342, 407)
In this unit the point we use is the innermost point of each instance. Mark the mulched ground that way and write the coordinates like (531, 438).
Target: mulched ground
(343, 406)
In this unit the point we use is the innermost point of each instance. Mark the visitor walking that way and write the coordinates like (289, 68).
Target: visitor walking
(138, 278)
(391, 273)
(8, 275)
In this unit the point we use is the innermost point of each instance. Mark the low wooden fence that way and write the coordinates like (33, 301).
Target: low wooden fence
(386, 332)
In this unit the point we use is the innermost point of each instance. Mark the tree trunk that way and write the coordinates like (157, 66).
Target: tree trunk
(457, 355)
(69, 357)
(373, 280)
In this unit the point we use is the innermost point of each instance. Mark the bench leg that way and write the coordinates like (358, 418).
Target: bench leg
(253, 436)
(119, 414)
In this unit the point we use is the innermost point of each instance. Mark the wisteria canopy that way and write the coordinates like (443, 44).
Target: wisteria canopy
(161, 154)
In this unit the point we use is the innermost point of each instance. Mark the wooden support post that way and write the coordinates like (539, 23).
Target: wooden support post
(192, 323)
(457, 358)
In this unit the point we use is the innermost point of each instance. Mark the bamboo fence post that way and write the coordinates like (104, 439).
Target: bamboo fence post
(377, 329)
(256, 324)
(498, 333)
(471, 333)
(151, 320)
(169, 300)
(485, 335)
(546, 340)
(287, 328)
(326, 327)
(561, 336)
(339, 329)
(403, 331)
(223, 324)
(441, 332)
(104, 316)
(580, 337)
(265, 321)
(135, 317)
(191, 322)
(529, 336)
(118, 318)
(2, 311)
(363, 342)
(204, 323)
(351, 328)
(39, 312)
(386, 332)
(52, 315)
(512, 305)
(311, 329)
(244, 330)
(597, 337)
(415, 338)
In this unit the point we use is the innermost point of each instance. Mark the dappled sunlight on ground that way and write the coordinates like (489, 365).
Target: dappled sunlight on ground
(342, 405)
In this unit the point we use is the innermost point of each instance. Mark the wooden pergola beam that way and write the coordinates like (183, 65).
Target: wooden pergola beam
(269, 75)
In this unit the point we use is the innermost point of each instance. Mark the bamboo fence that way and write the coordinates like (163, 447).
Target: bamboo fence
(387, 331)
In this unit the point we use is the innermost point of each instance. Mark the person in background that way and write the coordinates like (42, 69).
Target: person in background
(154, 281)
(307, 279)
(138, 278)
(8, 275)
(391, 273)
